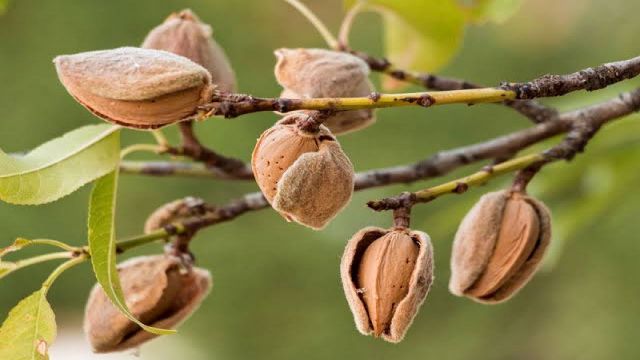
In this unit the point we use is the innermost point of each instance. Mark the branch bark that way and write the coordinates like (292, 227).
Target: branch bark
(582, 123)
(590, 79)
(233, 105)
(533, 110)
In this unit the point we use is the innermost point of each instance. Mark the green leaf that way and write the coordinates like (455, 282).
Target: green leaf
(493, 10)
(29, 330)
(60, 166)
(420, 35)
(102, 245)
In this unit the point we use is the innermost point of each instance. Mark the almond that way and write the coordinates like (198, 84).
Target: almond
(136, 88)
(498, 246)
(386, 275)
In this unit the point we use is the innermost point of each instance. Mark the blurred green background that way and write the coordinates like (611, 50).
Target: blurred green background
(277, 293)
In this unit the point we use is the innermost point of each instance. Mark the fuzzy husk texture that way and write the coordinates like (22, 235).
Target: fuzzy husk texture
(476, 239)
(136, 88)
(183, 33)
(172, 212)
(130, 73)
(313, 73)
(157, 291)
(305, 177)
(419, 284)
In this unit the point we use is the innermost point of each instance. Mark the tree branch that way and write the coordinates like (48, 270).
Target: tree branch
(533, 110)
(232, 105)
(194, 149)
(590, 79)
(581, 123)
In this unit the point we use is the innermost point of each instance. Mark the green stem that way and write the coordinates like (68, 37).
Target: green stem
(161, 139)
(316, 22)
(154, 148)
(20, 264)
(347, 24)
(60, 269)
(56, 243)
(479, 178)
(126, 244)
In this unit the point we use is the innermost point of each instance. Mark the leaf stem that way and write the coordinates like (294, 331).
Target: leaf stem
(316, 22)
(60, 269)
(154, 148)
(12, 266)
(161, 139)
(129, 243)
(347, 24)
(56, 243)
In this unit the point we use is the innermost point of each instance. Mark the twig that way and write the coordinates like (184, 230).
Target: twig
(589, 79)
(457, 186)
(232, 105)
(194, 149)
(529, 108)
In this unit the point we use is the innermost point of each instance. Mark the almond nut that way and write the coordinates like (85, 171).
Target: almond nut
(386, 275)
(305, 176)
(157, 291)
(316, 73)
(136, 88)
(183, 33)
(499, 246)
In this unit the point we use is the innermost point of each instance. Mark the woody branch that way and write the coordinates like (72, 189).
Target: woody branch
(580, 124)
(233, 105)
(451, 91)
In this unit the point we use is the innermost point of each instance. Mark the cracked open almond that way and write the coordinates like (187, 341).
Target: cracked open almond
(183, 33)
(133, 87)
(317, 73)
(386, 275)
(499, 245)
(158, 291)
(305, 176)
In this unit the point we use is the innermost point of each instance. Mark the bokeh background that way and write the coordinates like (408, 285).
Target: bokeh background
(277, 293)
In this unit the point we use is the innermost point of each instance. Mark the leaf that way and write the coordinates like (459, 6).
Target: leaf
(60, 166)
(420, 35)
(102, 245)
(3, 6)
(29, 330)
(497, 11)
